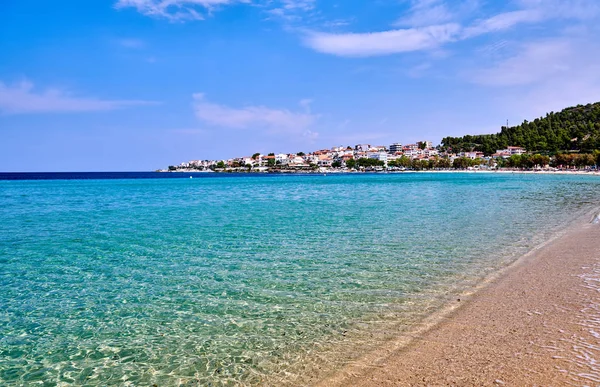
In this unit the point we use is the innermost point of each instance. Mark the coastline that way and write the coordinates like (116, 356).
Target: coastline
(532, 323)
(445, 171)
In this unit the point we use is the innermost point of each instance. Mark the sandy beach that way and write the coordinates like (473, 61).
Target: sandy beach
(536, 323)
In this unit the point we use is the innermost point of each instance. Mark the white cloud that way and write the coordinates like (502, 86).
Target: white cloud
(305, 103)
(419, 70)
(429, 24)
(382, 43)
(289, 9)
(189, 131)
(534, 62)
(251, 116)
(576, 9)
(132, 43)
(21, 98)
(304, 5)
(504, 21)
(176, 9)
(181, 10)
(426, 13)
(545, 75)
(422, 13)
(310, 135)
(536, 11)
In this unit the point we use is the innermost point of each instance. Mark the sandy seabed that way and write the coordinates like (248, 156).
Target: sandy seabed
(537, 323)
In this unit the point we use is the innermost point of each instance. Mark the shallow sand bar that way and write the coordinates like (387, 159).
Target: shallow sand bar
(536, 324)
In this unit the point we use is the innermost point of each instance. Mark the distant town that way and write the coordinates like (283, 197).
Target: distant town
(361, 157)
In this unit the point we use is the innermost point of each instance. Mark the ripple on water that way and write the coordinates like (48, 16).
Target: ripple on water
(247, 280)
(585, 348)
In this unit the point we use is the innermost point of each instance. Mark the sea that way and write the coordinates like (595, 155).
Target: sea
(174, 279)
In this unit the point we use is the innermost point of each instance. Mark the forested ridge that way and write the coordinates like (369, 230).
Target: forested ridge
(573, 129)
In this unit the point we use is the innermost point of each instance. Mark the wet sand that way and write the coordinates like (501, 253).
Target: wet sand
(536, 323)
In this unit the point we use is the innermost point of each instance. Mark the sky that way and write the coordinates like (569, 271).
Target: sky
(137, 85)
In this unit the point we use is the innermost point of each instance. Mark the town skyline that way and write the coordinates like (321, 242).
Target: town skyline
(342, 157)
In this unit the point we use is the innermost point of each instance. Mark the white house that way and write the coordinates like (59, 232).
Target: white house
(281, 158)
(512, 150)
(381, 156)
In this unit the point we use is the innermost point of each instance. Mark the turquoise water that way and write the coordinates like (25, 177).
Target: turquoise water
(248, 280)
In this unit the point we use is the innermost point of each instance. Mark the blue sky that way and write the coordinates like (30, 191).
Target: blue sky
(140, 84)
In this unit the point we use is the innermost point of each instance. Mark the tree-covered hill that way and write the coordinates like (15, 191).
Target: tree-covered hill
(573, 129)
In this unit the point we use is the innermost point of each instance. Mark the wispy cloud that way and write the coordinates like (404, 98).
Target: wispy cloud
(534, 62)
(189, 131)
(132, 43)
(535, 11)
(430, 24)
(424, 13)
(419, 70)
(252, 116)
(310, 135)
(297, 5)
(290, 10)
(21, 98)
(545, 75)
(176, 9)
(382, 43)
(185, 10)
(504, 21)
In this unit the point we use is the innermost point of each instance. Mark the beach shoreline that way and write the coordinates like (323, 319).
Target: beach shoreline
(533, 322)
(441, 171)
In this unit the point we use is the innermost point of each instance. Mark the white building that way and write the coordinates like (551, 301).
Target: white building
(413, 153)
(281, 158)
(512, 150)
(381, 156)
(395, 147)
(362, 147)
(430, 152)
(471, 155)
(324, 161)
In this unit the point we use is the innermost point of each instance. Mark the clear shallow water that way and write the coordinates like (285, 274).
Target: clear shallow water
(248, 280)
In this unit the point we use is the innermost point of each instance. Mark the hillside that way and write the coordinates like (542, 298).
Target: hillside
(573, 129)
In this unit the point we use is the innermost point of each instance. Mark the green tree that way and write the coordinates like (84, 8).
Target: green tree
(417, 165)
(514, 161)
(301, 154)
(336, 164)
(220, 165)
(540, 160)
(461, 163)
(586, 160)
(405, 162)
(573, 129)
(351, 164)
(255, 156)
(369, 163)
(444, 163)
